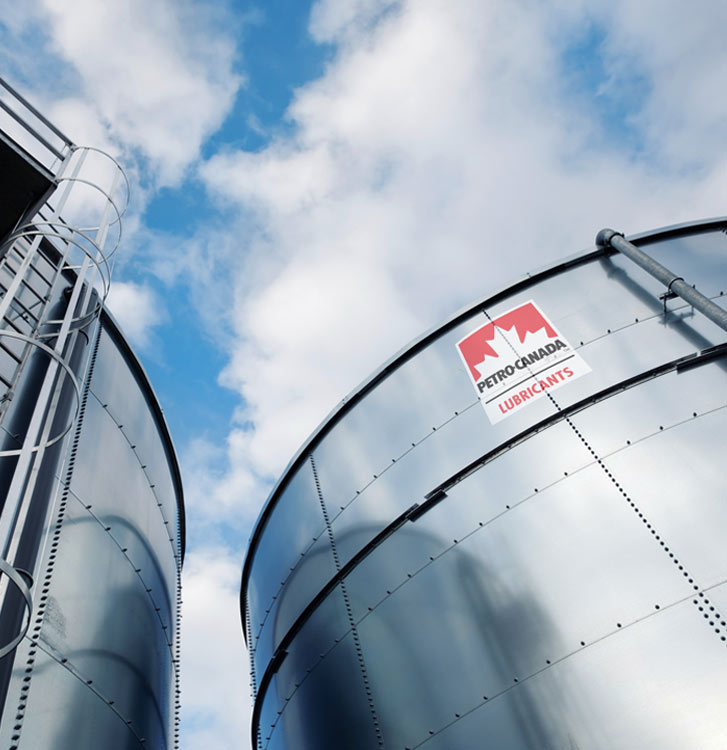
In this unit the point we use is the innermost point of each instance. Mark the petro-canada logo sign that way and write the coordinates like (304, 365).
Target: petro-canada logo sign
(518, 358)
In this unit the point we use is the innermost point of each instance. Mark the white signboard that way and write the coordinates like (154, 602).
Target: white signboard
(518, 358)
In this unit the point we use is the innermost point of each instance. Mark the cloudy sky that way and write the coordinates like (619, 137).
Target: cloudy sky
(316, 183)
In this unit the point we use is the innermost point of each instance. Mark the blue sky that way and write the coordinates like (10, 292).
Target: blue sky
(316, 183)
(276, 55)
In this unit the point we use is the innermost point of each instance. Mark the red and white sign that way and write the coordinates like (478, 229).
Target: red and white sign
(518, 358)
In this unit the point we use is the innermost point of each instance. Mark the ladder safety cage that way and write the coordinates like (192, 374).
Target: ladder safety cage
(55, 271)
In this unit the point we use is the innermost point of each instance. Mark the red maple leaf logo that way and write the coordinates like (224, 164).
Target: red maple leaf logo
(525, 319)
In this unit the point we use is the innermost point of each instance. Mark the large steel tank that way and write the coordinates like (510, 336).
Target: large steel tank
(512, 535)
(91, 509)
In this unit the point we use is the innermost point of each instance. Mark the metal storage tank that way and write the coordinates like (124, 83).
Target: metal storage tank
(91, 508)
(512, 535)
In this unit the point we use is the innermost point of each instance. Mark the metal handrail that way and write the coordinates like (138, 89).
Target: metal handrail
(20, 114)
(66, 140)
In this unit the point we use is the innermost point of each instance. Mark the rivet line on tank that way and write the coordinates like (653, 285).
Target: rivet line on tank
(600, 462)
(148, 589)
(62, 504)
(49, 651)
(52, 556)
(518, 681)
(349, 610)
(176, 552)
(256, 636)
(631, 503)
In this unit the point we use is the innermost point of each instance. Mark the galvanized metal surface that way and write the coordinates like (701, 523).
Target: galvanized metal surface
(673, 241)
(673, 283)
(91, 518)
(566, 585)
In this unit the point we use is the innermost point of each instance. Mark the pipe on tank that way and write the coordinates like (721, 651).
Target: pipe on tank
(673, 282)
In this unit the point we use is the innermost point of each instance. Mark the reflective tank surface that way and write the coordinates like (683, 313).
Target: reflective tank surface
(512, 535)
(97, 668)
(91, 508)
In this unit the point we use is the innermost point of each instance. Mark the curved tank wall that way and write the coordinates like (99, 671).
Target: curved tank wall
(98, 667)
(545, 572)
(91, 508)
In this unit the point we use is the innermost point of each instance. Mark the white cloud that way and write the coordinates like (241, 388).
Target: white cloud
(215, 695)
(155, 71)
(441, 153)
(221, 489)
(331, 21)
(138, 309)
(155, 78)
(685, 115)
